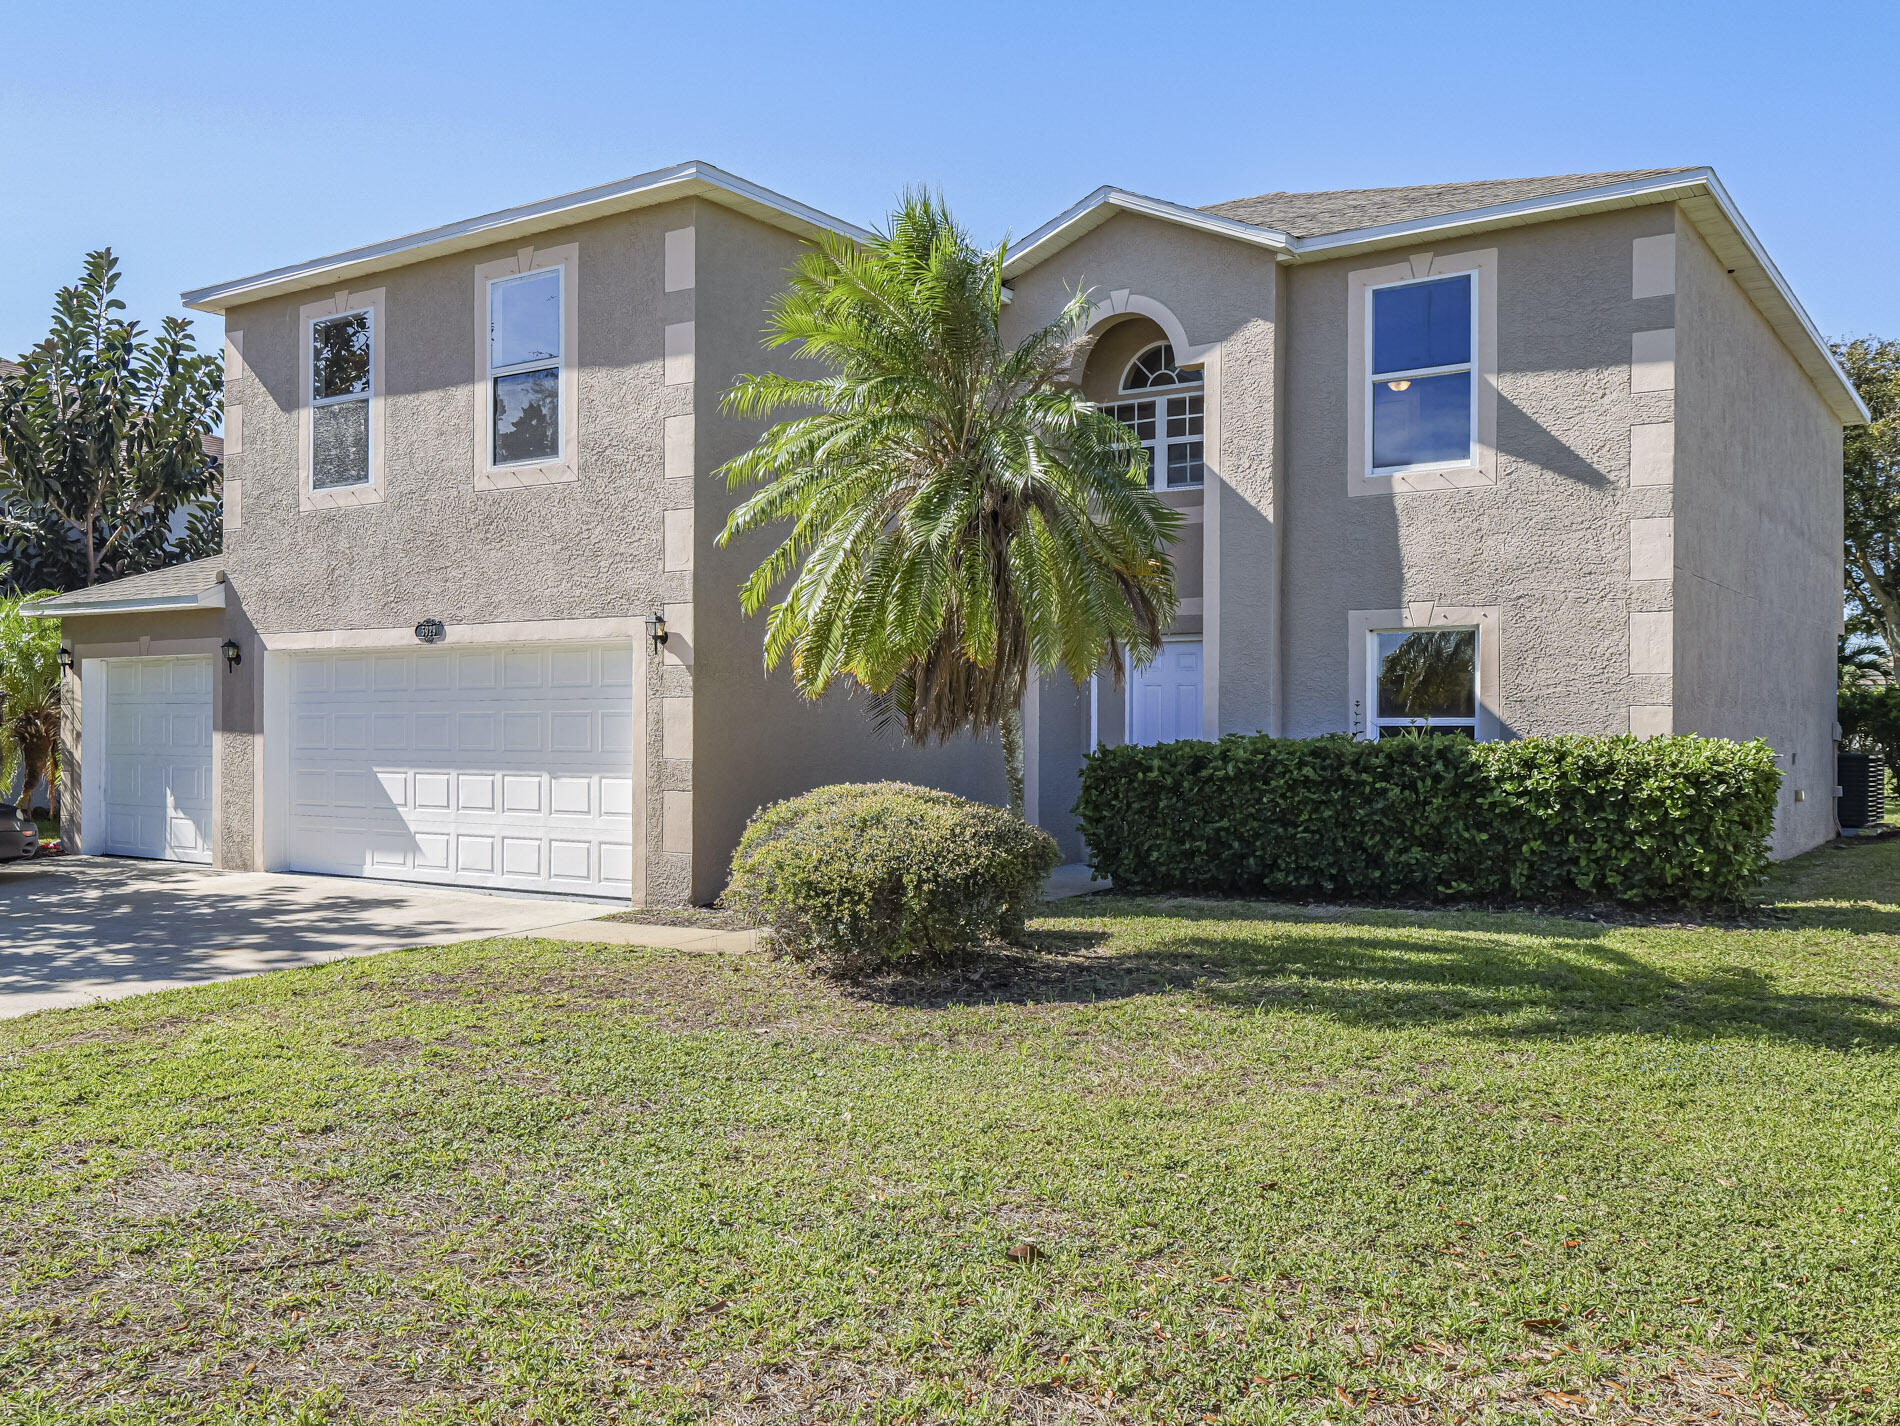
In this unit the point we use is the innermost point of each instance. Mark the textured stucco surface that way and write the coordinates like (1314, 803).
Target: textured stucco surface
(1757, 542)
(1222, 293)
(436, 546)
(1278, 558)
(756, 740)
(1548, 544)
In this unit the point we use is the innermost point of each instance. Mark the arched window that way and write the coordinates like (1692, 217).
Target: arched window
(1155, 367)
(1168, 427)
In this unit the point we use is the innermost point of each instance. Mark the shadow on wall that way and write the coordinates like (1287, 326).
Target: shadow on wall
(1567, 985)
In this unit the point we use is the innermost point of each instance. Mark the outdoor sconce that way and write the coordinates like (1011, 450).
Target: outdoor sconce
(656, 630)
(233, 655)
(65, 657)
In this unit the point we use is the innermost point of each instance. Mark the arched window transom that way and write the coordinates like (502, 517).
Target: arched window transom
(1155, 367)
(1169, 428)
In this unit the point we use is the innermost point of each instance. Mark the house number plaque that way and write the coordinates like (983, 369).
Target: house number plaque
(430, 631)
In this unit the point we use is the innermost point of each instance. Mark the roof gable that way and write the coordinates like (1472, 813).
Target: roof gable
(664, 185)
(1300, 227)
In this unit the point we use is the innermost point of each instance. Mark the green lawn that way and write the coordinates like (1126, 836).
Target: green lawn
(1280, 1165)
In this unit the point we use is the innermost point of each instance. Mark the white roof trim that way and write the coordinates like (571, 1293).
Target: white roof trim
(1771, 293)
(1097, 209)
(685, 180)
(212, 598)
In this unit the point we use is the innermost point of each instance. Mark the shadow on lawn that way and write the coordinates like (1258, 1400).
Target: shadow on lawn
(1504, 984)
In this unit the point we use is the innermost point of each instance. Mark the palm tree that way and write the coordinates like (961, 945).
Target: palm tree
(29, 701)
(960, 516)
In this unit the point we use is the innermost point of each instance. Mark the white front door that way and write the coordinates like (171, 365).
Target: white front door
(498, 766)
(1164, 699)
(158, 758)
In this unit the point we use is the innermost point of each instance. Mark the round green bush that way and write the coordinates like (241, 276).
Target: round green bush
(883, 873)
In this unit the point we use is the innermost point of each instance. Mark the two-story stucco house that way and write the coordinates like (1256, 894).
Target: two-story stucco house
(1569, 444)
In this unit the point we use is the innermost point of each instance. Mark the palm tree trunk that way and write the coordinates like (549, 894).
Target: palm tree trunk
(1013, 757)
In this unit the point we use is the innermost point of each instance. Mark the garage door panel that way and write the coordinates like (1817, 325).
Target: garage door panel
(489, 767)
(157, 758)
(616, 732)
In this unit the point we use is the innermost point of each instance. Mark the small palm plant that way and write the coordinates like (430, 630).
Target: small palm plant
(29, 700)
(960, 516)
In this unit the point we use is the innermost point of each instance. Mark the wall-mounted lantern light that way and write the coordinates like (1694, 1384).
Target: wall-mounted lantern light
(233, 655)
(656, 630)
(65, 657)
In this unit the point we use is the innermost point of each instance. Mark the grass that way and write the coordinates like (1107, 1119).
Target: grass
(1279, 1165)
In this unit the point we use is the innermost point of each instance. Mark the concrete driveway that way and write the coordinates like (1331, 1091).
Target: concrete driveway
(79, 929)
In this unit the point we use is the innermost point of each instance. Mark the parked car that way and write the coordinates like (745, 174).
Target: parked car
(19, 833)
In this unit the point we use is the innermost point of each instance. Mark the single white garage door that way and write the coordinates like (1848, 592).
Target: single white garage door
(501, 766)
(158, 758)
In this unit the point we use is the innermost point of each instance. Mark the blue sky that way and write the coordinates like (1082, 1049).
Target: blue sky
(204, 142)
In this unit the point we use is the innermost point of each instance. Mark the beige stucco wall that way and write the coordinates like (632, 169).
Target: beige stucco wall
(439, 544)
(1548, 545)
(436, 546)
(1757, 542)
(1225, 296)
(755, 739)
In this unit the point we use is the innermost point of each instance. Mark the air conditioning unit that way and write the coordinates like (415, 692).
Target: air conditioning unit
(1863, 790)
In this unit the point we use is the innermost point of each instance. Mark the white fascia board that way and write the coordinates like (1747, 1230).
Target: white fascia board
(1780, 283)
(212, 598)
(1100, 206)
(684, 180)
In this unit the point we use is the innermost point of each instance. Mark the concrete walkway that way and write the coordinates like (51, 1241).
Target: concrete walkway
(1071, 880)
(79, 929)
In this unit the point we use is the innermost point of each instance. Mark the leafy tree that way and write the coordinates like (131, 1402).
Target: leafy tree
(959, 513)
(1871, 457)
(29, 700)
(102, 443)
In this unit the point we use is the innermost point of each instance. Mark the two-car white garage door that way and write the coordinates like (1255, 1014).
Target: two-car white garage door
(506, 766)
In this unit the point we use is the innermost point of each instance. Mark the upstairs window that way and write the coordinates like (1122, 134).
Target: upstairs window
(1422, 408)
(1424, 681)
(1170, 428)
(342, 356)
(524, 367)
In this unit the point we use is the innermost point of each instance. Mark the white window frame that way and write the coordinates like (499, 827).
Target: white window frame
(317, 402)
(1375, 724)
(1160, 395)
(1481, 469)
(371, 491)
(1375, 378)
(564, 465)
(1362, 661)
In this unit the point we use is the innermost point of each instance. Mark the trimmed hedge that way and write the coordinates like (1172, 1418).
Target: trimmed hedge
(864, 874)
(1675, 819)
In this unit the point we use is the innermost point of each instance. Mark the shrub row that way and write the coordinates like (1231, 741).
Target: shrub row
(1676, 819)
(861, 874)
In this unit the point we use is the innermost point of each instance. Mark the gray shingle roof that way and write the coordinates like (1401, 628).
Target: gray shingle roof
(193, 577)
(1307, 215)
